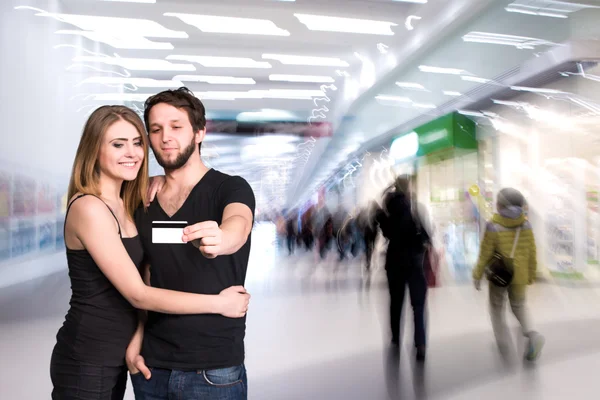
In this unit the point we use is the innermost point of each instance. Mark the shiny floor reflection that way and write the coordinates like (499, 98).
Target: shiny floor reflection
(318, 330)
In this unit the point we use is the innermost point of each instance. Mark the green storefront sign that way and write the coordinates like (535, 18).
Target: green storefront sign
(450, 132)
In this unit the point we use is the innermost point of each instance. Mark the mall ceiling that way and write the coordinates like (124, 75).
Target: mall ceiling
(355, 64)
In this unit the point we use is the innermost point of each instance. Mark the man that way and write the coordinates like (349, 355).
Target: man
(404, 260)
(192, 356)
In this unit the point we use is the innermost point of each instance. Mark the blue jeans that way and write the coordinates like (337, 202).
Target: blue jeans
(215, 384)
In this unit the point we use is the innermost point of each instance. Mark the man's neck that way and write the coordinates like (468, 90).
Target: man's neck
(187, 176)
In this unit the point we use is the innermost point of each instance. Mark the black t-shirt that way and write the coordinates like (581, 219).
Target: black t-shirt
(202, 341)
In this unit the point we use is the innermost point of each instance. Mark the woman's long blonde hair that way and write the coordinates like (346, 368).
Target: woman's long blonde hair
(86, 170)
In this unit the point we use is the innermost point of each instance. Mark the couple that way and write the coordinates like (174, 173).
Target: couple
(190, 343)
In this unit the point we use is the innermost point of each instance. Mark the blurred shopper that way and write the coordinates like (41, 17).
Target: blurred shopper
(509, 236)
(368, 227)
(290, 230)
(105, 261)
(404, 260)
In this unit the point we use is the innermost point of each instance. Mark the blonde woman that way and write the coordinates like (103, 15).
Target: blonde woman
(106, 262)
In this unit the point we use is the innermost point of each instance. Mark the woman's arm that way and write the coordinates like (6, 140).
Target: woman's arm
(95, 228)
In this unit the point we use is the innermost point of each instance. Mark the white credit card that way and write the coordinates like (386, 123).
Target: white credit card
(168, 231)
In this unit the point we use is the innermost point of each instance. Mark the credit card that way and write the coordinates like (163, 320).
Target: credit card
(168, 231)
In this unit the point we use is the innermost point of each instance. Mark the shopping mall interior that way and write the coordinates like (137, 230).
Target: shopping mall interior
(320, 106)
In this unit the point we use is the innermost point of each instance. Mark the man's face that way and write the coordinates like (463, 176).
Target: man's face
(172, 137)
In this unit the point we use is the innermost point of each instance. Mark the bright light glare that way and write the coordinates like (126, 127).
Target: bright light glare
(221, 62)
(301, 78)
(218, 24)
(116, 26)
(137, 64)
(405, 146)
(139, 82)
(438, 70)
(216, 80)
(306, 60)
(125, 42)
(346, 25)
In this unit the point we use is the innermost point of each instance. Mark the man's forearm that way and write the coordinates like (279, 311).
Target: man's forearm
(235, 234)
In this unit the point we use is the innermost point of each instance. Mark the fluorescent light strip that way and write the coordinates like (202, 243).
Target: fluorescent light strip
(133, 1)
(216, 80)
(119, 27)
(291, 94)
(540, 11)
(301, 78)
(221, 62)
(398, 99)
(452, 93)
(136, 64)
(411, 85)
(140, 82)
(346, 25)
(138, 97)
(438, 70)
(125, 42)
(306, 60)
(412, 1)
(520, 42)
(475, 79)
(536, 90)
(471, 113)
(428, 106)
(234, 25)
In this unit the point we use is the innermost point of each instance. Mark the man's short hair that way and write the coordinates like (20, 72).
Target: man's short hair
(179, 98)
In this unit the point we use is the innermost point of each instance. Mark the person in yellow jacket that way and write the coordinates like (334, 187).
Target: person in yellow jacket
(501, 235)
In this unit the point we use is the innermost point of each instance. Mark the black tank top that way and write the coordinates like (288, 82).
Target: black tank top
(100, 322)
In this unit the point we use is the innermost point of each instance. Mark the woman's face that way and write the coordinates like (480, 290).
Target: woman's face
(121, 151)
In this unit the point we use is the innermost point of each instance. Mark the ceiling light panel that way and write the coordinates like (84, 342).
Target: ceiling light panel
(301, 78)
(411, 85)
(133, 1)
(520, 42)
(139, 82)
(119, 27)
(234, 25)
(126, 42)
(346, 25)
(439, 70)
(136, 64)
(306, 60)
(547, 8)
(216, 80)
(221, 62)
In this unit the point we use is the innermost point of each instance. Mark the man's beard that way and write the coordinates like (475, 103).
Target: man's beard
(180, 161)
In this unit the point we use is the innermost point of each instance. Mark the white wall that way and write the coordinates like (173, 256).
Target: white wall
(41, 127)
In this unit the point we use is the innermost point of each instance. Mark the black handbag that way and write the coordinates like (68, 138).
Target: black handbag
(500, 270)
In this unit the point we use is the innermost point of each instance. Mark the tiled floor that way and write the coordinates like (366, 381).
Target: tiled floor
(317, 331)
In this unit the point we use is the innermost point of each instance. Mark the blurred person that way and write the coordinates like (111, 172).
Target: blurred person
(340, 231)
(404, 260)
(368, 227)
(307, 229)
(290, 230)
(105, 259)
(280, 229)
(508, 232)
(192, 356)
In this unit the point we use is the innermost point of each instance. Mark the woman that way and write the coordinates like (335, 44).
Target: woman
(105, 259)
(510, 234)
